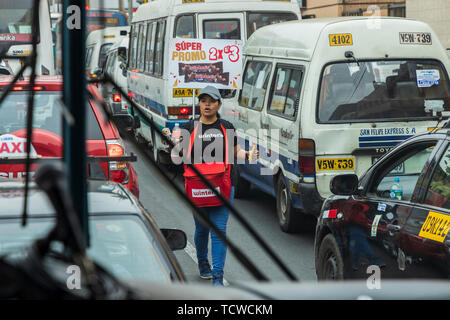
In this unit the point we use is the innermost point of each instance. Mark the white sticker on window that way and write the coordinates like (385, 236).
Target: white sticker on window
(427, 78)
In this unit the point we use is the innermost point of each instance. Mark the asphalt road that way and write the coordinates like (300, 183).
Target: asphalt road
(295, 250)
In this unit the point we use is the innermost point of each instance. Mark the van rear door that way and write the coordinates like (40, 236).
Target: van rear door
(221, 26)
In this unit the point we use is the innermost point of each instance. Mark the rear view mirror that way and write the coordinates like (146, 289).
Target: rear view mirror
(175, 238)
(344, 184)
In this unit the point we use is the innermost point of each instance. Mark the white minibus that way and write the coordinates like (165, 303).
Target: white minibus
(98, 42)
(330, 96)
(156, 22)
(16, 35)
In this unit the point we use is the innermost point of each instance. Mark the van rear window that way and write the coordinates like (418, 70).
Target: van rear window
(256, 20)
(395, 90)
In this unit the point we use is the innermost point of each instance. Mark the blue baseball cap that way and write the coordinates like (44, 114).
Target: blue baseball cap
(211, 91)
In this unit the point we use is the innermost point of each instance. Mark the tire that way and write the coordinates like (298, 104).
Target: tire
(241, 186)
(289, 218)
(330, 264)
(155, 151)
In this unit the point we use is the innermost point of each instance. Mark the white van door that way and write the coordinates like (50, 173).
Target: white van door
(221, 26)
(280, 118)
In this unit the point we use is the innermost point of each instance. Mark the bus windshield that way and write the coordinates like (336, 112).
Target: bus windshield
(256, 20)
(16, 20)
(383, 91)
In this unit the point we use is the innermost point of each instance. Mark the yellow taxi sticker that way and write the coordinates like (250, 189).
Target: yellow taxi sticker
(340, 39)
(182, 93)
(335, 164)
(435, 227)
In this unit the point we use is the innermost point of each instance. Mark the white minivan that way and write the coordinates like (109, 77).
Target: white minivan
(98, 43)
(323, 97)
(116, 68)
(157, 22)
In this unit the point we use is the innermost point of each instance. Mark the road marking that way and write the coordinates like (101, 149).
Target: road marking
(191, 252)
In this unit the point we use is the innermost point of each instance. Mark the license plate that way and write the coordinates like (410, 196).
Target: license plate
(335, 164)
(341, 39)
(399, 169)
(415, 38)
(184, 93)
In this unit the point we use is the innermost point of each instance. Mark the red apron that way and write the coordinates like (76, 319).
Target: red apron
(217, 173)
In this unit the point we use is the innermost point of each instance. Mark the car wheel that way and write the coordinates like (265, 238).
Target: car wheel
(330, 263)
(288, 218)
(241, 186)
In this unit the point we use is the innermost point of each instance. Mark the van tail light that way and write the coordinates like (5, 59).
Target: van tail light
(181, 112)
(117, 98)
(119, 170)
(307, 156)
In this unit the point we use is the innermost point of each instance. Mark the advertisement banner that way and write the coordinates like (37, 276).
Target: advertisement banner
(197, 63)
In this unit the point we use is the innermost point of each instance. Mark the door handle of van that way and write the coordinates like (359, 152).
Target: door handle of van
(146, 87)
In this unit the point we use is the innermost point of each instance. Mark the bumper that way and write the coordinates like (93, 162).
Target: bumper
(305, 197)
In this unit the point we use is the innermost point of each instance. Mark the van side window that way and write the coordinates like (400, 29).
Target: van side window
(255, 82)
(286, 91)
(102, 55)
(133, 45)
(159, 47)
(185, 27)
(150, 47)
(89, 55)
(141, 47)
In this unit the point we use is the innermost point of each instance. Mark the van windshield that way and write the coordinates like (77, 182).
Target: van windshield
(256, 20)
(383, 91)
(222, 29)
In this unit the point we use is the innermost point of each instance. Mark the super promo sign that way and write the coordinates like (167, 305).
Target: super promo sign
(196, 63)
(12, 146)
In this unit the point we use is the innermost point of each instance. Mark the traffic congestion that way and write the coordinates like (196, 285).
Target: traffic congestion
(233, 150)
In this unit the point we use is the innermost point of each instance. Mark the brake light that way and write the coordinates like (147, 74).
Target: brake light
(307, 156)
(184, 110)
(118, 176)
(38, 88)
(17, 88)
(117, 98)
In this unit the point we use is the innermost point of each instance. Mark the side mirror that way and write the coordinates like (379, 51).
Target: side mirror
(97, 73)
(124, 121)
(344, 184)
(175, 238)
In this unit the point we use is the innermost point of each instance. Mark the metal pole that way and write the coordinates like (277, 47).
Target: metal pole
(74, 30)
(130, 11)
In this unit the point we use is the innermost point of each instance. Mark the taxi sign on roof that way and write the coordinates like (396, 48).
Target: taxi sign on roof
(193, 1)
(12, 146)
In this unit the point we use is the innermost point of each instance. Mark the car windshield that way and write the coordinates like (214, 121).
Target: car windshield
(121, 244)
(15, 20)
(383, 91)
(256, 20)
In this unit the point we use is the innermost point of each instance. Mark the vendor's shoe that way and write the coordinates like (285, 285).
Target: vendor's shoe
(205, 269)
(217, 280)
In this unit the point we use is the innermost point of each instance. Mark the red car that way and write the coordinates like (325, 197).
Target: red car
(102, 136)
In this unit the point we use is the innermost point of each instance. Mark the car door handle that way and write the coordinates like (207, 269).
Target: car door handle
(393, 227)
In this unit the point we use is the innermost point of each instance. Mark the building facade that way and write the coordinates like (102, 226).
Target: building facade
(434, 12)
(339, 8)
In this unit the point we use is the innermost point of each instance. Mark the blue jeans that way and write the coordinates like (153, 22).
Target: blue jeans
(219, 217)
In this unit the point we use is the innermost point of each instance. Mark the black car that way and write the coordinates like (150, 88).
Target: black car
(366, 224)
(124, 238)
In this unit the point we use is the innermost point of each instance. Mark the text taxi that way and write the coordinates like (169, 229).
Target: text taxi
(329, 96)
